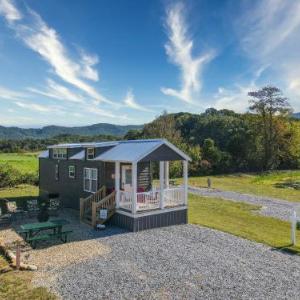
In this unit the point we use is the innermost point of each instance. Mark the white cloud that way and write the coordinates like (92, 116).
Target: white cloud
(234, 99)
(269, 34)
(9, 11)
(35, 107)
(179, 49)
(44, 40)
(8, 94)
(131, 103)
(88, 62)
(57, 91)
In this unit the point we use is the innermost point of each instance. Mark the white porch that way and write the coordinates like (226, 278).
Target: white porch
(161, 197)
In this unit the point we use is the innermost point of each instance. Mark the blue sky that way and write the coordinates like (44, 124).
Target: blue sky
(124, 62)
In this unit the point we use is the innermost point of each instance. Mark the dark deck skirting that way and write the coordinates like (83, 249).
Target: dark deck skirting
(149, 221)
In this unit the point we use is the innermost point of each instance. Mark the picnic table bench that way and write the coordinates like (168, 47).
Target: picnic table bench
(31, 231)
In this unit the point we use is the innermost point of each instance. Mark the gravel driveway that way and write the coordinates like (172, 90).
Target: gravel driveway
(276, 208)
(181, 262)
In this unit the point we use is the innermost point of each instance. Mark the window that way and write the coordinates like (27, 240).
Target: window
(90, 153)
(60, 153)
(90, 180)
(56, 172)
(71, 171)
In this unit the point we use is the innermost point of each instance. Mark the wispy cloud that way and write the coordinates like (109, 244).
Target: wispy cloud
(8, 94)
(131, 103)
(36, 107)
(179, 49)
(45, 41)
(269, 33)
(9, 11)
(57, 91)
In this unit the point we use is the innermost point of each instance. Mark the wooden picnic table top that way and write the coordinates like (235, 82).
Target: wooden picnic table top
(44, 225)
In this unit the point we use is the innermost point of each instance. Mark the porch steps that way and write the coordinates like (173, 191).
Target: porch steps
(90, 214)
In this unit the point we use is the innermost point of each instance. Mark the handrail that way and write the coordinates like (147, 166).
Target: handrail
(108, 202)
(86, 203)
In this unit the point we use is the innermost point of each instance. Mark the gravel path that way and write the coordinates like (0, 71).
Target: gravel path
(276, 208)
(181, 262)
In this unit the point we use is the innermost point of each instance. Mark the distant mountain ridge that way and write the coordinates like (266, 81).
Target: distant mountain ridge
(296, 115)
(16, 133)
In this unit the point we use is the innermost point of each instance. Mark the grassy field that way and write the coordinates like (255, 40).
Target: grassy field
(277, 184)
(24, 162)
(241, 219)
(17, 285)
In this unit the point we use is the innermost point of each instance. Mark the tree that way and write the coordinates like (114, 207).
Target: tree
(271, 107)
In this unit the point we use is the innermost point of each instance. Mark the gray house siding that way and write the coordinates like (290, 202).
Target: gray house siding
(70, 190)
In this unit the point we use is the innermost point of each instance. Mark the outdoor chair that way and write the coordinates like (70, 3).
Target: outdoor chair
(32, 207)
(54, 206)
(13, 211)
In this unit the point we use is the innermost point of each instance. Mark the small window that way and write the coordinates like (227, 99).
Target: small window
(60, 153)
(56, 172)
(90, 153)
(90, 180)
(71, 171)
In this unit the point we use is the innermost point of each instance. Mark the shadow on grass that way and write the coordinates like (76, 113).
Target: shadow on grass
(288, 249)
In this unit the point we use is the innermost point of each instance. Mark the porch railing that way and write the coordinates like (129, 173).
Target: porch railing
(174, 197)
(151, 200)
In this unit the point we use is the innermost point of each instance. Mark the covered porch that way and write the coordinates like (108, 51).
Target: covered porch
(160, 194)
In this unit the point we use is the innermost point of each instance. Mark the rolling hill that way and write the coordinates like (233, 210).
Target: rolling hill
(17, 133)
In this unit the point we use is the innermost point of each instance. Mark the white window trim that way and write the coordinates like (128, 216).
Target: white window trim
(90, 180)
(87, 153)
(60, 153)
(74, 171)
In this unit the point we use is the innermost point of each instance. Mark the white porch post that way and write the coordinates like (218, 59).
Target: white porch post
(117, 183)
(185, 181)
(161, 184)
(134, 187)
(167, 174)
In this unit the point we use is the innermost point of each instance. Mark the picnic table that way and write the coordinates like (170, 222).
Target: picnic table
(32, 231)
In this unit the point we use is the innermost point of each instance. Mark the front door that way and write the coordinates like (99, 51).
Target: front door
(126, 178)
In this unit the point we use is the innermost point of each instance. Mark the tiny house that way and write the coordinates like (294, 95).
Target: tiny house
(117, 178)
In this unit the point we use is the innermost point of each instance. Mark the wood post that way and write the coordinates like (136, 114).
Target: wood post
(185, 181)
(94, 214)
(161, 184)
(81, 208)
(18, 256)
(134, 187)
(117, 183)
(293, 228)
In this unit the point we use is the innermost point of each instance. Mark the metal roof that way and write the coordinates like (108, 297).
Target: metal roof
(79, 156)
(127, 151)
(133, 151)
(84, 145)
(44, 154)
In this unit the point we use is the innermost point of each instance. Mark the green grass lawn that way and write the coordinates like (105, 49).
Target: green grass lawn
(241, 219)
(280, 184)
(17, 285)
(24, 162)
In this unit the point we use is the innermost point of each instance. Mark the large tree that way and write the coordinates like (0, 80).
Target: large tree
(271, 107)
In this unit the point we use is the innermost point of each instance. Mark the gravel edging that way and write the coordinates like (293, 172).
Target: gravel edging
(271, 207)
(182, 262)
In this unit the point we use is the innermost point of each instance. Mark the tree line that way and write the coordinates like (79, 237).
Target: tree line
(222, 141)
(218, 141)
